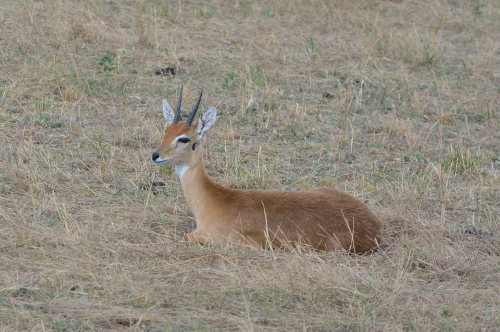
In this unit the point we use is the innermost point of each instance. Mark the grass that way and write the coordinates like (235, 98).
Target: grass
(395, 102)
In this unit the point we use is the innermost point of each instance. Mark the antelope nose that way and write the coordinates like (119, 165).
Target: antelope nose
(155, 156)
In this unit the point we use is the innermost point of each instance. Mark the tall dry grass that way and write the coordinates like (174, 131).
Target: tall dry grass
(395, 102)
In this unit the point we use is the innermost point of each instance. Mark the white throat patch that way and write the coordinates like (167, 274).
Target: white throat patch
(180, 170)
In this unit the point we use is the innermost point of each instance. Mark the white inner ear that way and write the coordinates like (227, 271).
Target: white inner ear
(206, 121)
(168, 112)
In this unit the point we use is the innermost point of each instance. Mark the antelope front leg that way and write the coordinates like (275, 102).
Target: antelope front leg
(197, 237)
(220, 240)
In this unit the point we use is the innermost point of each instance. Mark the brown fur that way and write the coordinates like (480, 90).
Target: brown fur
(325, 219)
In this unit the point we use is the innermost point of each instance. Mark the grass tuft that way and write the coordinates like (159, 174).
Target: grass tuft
(462, 161)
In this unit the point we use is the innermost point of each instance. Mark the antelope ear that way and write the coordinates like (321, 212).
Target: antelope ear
(206, 121)
(168, 112)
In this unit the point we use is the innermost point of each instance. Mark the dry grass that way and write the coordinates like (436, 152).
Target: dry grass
(395, 102)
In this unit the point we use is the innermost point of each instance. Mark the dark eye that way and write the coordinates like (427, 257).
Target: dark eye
(184, 140)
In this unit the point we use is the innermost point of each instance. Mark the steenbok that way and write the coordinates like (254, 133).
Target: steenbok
(324, 219)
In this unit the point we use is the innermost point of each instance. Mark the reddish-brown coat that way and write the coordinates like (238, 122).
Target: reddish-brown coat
(324, 219)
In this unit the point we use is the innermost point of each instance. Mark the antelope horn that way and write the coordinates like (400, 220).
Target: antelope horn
(195, 109)
(178, 117)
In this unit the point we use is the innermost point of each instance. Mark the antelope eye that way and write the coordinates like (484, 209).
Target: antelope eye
(184, 140)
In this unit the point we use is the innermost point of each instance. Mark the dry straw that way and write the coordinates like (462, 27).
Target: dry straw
(395, 102)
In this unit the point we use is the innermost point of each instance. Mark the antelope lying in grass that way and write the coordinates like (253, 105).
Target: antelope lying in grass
(324, 219)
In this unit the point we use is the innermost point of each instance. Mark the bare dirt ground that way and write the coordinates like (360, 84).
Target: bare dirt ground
(394, 102)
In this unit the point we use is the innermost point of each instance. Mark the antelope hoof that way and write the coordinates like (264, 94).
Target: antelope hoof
(202, 239)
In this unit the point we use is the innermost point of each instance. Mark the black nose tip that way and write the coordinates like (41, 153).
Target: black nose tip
(155, 156)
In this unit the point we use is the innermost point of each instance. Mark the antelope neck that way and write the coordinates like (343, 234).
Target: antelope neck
(180, 170)
(200, 190)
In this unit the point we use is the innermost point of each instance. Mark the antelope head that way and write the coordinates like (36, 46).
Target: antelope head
(179, 142)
